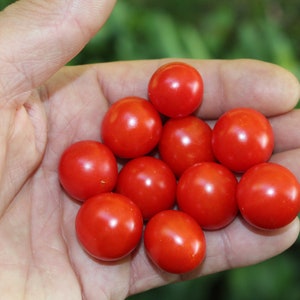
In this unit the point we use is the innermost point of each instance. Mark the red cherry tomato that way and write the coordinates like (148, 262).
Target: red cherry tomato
(242, 138)
(149, 183)
(131, 127)
(184, 142)
(176, 89)
(109, 226)
(174, 241)
(206, 191)
(87, 168)
(268, 196)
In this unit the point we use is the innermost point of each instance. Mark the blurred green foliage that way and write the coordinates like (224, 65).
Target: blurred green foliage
(145, 29)
(266, 30)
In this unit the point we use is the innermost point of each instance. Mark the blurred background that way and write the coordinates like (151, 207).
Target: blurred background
(265, 30)
(140, 29)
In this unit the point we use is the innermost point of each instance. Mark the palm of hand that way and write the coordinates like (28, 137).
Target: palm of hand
(40, 256)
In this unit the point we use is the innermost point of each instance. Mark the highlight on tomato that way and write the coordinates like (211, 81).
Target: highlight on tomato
(174, 241)
(184, 142)
(148, 182)
(242, 138)
(87, 168)
(176, 89)
(206, 191)
(109, 226)
(131, 127)
(268, 196)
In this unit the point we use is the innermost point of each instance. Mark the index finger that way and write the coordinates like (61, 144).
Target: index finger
(227, 84)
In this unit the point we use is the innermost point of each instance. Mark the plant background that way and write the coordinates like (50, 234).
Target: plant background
(266, 30)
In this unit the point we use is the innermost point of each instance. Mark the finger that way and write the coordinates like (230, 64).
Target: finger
(240, 245)
(249, 83)
(38, 37)
(290, 159)
(237, 245)
(286, 131)
(227, 84)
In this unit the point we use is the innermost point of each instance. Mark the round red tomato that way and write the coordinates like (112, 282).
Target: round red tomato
(174, 241)
(242, 138)
(206, 191)
(176, 89)
(87, 168)
(268, 196)
(149, 183)
(131, 127)
(184, 142)
(109, 226)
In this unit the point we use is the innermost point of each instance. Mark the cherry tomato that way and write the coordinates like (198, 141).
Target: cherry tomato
(148, 182)
(131, 127)
(109, 226)
(174, 241)
(176, 89)
(206, 191)
(268, 196)
(87, 168)
(184, 142)
(242, 138)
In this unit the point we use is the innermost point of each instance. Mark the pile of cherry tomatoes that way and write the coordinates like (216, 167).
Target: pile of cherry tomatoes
(178, 175)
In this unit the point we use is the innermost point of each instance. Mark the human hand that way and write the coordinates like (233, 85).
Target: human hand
(40, 116)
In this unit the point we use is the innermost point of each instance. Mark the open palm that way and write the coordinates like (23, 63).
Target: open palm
(45, 108)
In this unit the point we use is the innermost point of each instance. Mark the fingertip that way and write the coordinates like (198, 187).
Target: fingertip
(289, 234)
(287, 86)
(275, 89)
(264, 86)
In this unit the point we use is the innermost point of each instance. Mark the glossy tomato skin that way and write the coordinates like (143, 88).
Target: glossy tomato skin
(242, 138)
(131, 127)
(174, 241)
(109, 226)
(176, 89)
(206, 191)
(184, 142)
(148, 182)
(87, 168)
(268, 196)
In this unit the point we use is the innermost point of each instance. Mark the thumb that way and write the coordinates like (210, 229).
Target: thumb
(38, 37)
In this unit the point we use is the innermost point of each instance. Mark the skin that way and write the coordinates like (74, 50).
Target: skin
(44, 107)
